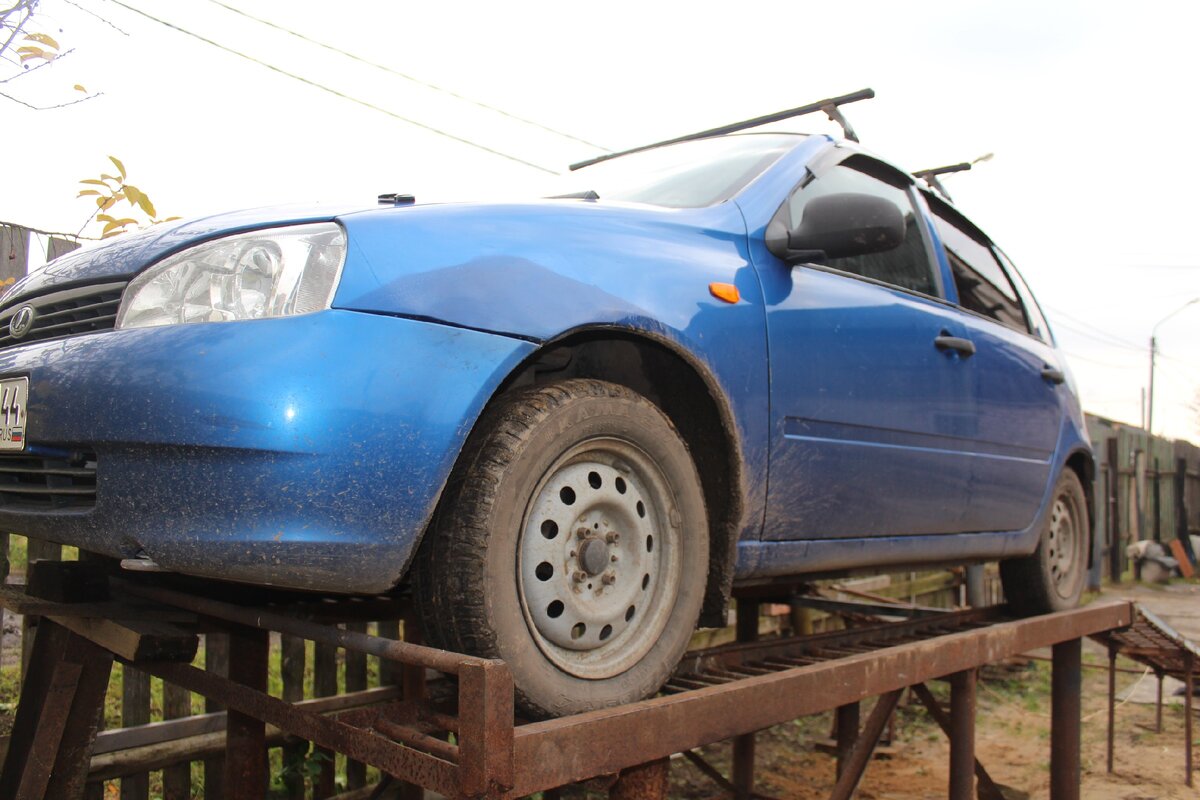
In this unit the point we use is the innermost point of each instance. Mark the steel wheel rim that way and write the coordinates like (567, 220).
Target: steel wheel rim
(1063, 541)
(599, 558)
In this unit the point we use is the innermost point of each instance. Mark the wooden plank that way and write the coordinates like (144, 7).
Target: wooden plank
(14, 254)
(291, 670)
(324, 685)
(135, 640)
(85, 718)
(67, 581)
(216, 661)
(176, 779)
(35, 689)
(1185, 564)
(135, 710)
(35, 549)
(356, 681)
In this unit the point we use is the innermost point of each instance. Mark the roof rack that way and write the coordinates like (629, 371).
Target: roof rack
(930, 176)
(829, 106)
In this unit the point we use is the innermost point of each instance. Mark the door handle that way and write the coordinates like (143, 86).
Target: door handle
(1053, 375)
(956, 343)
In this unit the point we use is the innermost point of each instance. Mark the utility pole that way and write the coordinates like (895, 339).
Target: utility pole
(1153, 355)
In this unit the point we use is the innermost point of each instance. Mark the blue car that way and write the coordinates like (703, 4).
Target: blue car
(572, 425)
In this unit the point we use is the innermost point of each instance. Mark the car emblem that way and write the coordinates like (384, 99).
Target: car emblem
(22, 321)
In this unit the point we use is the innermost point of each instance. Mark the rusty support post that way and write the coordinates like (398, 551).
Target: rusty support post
(847, 733)
(1189, 684)
(412, 682)
(988, 790)
(743, 746)
(245, 737)
(1112, 702)
(485, 702)
(962, 735)
(860, 754)
(1065, 720)
(643, 782)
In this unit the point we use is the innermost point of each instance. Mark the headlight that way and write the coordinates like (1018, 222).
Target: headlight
(269, 273)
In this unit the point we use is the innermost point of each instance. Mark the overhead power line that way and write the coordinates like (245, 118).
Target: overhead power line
(335, 92)
(408, 77)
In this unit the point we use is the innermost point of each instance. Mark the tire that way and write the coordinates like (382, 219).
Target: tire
(1051, 579)
(572, 542)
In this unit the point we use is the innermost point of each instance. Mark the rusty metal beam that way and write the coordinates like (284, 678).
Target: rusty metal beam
(389, 757)
(742, 769)
(1065, 684)
(566, 750)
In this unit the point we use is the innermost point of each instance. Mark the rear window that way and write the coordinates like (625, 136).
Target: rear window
(686, 175)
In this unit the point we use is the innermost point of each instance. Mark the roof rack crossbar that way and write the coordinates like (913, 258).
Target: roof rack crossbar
(930, 176)
(829, 106)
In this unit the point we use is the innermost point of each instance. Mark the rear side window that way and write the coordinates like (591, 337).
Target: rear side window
(982, 285)
(907, 266)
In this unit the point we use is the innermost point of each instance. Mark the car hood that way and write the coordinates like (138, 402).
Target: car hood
(123, 256)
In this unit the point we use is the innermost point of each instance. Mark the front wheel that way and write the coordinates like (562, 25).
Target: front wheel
(1051, 579)
(572, 543)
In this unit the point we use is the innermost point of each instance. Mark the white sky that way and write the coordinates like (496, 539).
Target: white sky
(1090, 108)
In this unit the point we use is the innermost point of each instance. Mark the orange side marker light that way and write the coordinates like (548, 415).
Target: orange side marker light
(725, 291)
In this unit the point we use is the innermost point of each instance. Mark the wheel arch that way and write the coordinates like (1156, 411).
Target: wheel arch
(1083, 464)
(684, 389)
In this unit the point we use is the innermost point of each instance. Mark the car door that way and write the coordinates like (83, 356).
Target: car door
(1015, 377)
(871, 403)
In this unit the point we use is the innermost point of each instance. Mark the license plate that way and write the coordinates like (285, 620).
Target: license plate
(14, 414)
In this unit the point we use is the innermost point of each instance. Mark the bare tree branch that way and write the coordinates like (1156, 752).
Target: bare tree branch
(107, 22)
(49, 108)
(39, 66)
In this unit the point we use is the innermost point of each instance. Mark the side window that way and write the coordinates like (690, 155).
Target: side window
(1037, 321)
(907, 266)
(982, 285)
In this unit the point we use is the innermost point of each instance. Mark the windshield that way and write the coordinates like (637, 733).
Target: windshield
(686, 175)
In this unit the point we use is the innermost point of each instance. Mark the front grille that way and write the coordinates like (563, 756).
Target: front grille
(69, 312)
(35, 483)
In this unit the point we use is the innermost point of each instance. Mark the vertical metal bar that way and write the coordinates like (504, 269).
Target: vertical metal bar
(1189, 684)
(864, 746)
(988, 790)
(245, 736)
(847, 733)
(1158, 705)
(974, 581)
(962, 735)
(412, 682)
(1065, 720)
(743, 746)
(1114, 510)
(356, 680)
(644, 782)
(485, 710)
(1112, 702)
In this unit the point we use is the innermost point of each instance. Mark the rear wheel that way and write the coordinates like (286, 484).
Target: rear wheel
(1051, 579)
(573, 544)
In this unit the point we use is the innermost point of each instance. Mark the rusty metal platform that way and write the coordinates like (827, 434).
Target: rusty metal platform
(469, 744)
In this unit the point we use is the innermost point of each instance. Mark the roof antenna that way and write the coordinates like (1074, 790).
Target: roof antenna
(930, 176)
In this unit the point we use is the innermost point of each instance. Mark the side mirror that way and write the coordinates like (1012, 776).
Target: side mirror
(841, 225)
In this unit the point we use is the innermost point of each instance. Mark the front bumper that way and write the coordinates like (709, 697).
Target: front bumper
(306, 452)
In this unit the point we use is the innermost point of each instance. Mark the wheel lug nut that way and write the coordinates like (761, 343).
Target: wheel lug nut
(581, 532)
(614, 559)
(608, 579)
(612, 537)
(579, 576)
